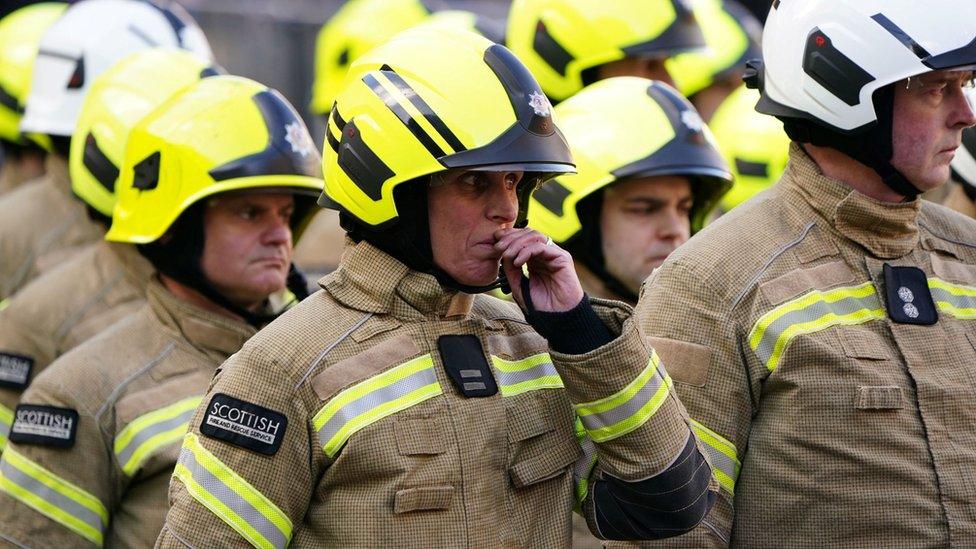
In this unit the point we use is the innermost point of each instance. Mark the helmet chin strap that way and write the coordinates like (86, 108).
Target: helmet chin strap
(180, 259)
(409, 240)
(874, 149)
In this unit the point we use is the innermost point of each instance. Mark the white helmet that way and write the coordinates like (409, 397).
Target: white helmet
(89, 38)
(824, 61)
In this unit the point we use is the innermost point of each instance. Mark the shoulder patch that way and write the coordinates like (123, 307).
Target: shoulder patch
(15, 370)
(44, 426)
(244, 424)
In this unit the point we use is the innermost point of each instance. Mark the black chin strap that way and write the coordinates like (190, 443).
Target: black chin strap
(873, 148)
(587, 246)
(409, 240)
(179, 258)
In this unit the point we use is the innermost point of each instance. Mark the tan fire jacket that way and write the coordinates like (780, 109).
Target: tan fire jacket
(338, 425)
(15, 174)
(41, 221)
(63, 308)
(834, 419)
(97, 435)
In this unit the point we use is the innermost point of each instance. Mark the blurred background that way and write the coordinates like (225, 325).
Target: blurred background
(273, 41)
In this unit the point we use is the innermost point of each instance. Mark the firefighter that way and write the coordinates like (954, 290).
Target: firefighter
(649, 175)
(821, 335)
(106, 281)
(20, 33)
(569, 44)
(214, 184)
(399, 406)
(44, 222)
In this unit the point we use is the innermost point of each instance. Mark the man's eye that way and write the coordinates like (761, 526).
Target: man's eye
(248, 213)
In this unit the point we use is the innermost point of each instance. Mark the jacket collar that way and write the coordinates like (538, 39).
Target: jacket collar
(594, 286)
(887, 230)
(137, 269)
(370, 280)
(211, 333)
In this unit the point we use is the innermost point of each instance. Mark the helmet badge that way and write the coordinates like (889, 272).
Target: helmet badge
(692, 121)
(298, 139)
(539, 104)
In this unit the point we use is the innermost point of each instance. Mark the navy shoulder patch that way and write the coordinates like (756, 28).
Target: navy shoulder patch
(244, 424)
(44, 426)
(908, 297)
(15, 370)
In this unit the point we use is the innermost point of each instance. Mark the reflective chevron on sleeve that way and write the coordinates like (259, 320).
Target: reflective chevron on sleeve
(149, 433)
(234, 500)
(371, 400)
(536, 372)
(6, 420)
(810, 313)
(721, 452)
(629, 408)
(53, 496)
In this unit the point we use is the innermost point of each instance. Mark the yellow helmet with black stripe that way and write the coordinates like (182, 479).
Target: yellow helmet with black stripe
(559, 40)
(622, 128)
(753, 143)
(426, 101)
(221, 134)
(733, 36)
(117, 100)
(20, 36)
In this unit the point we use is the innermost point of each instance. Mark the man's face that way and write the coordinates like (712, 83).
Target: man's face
(930, 113)
(465, 209)
(642, 221)
(247, 246)
(643, 67)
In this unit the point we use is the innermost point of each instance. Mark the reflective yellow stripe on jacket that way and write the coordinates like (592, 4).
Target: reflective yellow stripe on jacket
(515, 377)
(953, 299)
(148, 433)
(230, 497)
(53, 497)
(374, 399)
(725, 461)
(810, 313)
(629, 408)
(6, 420)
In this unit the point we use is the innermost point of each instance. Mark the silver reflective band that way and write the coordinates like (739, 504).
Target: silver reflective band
(227, 496)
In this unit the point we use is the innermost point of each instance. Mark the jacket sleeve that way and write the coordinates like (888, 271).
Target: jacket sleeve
(53, 496)
(694, 331)
(26, 348)
(252, 488)
(642, 475)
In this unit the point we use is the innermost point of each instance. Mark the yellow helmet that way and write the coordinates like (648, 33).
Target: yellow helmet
(20, 35)
(629, 127)
(221, 134)
(560, 39)
(754, 144)
(358, 26)
(733, 36)
(118, 99)
(428, 100)
(361, 25)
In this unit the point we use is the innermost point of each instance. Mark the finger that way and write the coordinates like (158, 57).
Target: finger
(514, 276)
(507, 237)
(532, 251)
(511, 246)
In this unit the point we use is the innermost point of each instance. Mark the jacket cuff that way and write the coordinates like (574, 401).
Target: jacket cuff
(573, 332)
